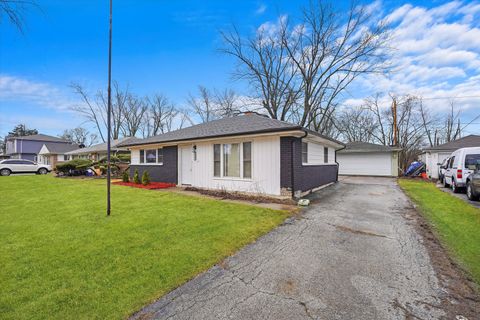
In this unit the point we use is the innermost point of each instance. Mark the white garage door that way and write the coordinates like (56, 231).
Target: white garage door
(369, 164)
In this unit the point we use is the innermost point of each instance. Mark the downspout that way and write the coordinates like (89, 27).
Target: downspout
(292, 175)
(338, 164)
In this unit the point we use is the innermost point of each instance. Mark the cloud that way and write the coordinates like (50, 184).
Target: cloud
(14, 88)
(261, 9)
(436, 55)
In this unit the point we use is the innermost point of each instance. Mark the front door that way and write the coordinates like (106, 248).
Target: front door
(186, 155)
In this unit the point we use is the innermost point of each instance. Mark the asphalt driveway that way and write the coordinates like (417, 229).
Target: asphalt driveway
(351, 255)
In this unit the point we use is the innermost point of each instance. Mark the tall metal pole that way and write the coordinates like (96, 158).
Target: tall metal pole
(394, 111)
(109, 110)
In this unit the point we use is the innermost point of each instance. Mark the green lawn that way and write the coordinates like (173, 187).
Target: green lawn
(62, 258)
(456, 222)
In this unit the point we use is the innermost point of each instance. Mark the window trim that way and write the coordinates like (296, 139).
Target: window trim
(304, 143)
(143, 162)
(325, 155)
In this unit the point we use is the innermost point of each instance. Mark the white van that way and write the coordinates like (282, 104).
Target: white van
(461, 164)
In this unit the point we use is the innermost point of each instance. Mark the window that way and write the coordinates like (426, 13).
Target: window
(65, 157)
(471, 161)
(194, 151)
(325, 155)
(160, 156)
(216, 160)
(304, 152)
(247, 159)
(231, 160)
(452, 160)
(152, 156)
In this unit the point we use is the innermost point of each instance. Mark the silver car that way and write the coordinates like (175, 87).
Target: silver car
(10, 166)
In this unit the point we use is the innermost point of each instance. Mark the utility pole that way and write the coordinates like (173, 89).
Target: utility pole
(109, 109)
(394, 111)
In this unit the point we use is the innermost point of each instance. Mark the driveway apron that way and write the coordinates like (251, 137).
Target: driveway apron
(351, 255)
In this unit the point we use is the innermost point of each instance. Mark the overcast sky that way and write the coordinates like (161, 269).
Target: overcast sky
(170, 47)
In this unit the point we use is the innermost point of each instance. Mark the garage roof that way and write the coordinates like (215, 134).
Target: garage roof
(361, 147)
(465, 142)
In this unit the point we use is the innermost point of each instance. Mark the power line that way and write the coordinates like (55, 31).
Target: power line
(458, 97)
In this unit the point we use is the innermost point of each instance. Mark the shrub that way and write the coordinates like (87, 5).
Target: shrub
(136, 178)
(125, 176)
(124, 157)
(79, 165)
(145, 178)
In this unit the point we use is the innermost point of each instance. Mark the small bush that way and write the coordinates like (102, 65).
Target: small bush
(79, 165)
(136, 178)
(124, 157)
(125, 176)
(145, 178)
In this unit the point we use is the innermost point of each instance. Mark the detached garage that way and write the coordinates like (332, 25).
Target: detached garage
(368, 159)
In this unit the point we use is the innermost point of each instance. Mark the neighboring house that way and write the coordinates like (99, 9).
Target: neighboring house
(434, 156)
(99, 151)
(368, 159)
(53, 153)
(246, 153)
(28, 147)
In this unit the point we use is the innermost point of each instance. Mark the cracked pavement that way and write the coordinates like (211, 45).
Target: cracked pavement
(350, 255)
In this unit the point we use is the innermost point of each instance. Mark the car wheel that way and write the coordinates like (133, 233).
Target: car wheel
(42, 171)
(445, 184)
(455, 189)
(5, 172)
(470, 194)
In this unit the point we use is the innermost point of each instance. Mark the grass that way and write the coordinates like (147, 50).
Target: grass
(62, 258)
(456, 222)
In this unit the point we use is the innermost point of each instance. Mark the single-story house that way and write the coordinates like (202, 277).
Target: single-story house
(99, 151)
(247, 153)
(28, 147)
(53, 153)
(368, 159)
(434, 156)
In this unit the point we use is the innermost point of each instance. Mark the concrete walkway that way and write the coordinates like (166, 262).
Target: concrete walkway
(352, 255)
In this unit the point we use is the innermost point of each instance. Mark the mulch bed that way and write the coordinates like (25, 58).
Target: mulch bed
(150, 186)
(222, 194)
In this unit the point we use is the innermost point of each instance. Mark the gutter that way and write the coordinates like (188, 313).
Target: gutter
(292, 167)
(338, 164)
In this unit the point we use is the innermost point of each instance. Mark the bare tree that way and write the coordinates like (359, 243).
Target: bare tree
(264, 63)
(80, 136)
(89, 109)
(356, 124)
(203, 105)
(452, 129)
(301, 68)
(159, 116)
(133, 115)
(14, 11)
(227, 103)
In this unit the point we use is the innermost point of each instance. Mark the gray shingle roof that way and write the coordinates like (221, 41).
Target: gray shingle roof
(353, 147)
(60, 148)
(39, 137)
(101, 147)
(238, 125)
(465, 142)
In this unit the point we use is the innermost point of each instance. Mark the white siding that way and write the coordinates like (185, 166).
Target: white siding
(265, 167)
(431, 161)
(316, 156)
(370, 164)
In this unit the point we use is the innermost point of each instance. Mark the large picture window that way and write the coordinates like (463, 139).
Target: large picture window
(232, 160)
(151, 156)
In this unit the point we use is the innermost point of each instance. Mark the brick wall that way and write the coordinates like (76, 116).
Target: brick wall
(168, 172)
(305, 177)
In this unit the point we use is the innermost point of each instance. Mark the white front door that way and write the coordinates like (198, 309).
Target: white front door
(186, 163)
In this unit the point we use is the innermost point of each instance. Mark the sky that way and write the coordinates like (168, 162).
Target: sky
(171, 47)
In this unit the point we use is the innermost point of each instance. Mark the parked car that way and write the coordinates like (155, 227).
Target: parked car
(462, 163)
(473, 184)
(442, 168)
(10, 166)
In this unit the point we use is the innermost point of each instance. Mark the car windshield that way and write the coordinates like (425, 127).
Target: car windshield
(471, 161)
